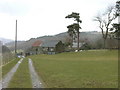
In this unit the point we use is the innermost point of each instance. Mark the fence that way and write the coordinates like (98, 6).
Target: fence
(5, 54)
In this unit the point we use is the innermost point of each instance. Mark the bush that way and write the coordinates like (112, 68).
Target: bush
(60, 47)
(86, 46)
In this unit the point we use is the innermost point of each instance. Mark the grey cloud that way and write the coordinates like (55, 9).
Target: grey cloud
(13, 8)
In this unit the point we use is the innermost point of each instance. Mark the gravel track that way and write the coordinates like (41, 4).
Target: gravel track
(5, 81)
(34, 77)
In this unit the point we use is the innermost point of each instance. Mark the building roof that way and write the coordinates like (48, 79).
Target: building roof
(49, 43)
(75, 45)
(37, 43)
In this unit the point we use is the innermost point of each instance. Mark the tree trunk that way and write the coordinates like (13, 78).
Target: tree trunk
(78, 40)
(118, 45)
(71, 42)
(104, 43)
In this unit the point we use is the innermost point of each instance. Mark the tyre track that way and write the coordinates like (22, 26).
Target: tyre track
(34, 77)
(5, 81)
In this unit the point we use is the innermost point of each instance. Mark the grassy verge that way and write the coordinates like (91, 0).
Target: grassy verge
(21, 78)
(87, 69)
(6, 68)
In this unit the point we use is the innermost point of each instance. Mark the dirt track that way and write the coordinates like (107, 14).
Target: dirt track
(5, 81)
(34, 77)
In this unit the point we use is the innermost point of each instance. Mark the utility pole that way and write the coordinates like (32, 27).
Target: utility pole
(16, 40)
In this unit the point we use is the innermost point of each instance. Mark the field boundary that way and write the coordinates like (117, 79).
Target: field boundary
(7, 63)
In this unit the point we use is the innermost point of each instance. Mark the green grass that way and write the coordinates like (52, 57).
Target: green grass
(21, 78)
(87, 69)
(6, 68)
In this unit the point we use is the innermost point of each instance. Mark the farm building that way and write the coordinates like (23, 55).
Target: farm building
(75, 44)
(48, 47)
(36, 49)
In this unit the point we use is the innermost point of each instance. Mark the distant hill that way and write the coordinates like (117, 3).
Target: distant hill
(84, 36)
(4, 40)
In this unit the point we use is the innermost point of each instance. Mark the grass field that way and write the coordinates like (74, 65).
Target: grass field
(6, 68)
(86, 69)
(21, 78)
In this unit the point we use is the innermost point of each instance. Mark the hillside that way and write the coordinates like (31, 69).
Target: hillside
(91, 37)
(4, 40)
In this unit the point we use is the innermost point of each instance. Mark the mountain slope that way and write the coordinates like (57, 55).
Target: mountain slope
(4, 41)
(91, 37)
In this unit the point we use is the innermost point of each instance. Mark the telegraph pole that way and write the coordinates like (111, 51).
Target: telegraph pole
(16, 40)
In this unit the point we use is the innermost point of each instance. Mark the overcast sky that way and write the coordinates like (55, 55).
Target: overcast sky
(47, 17)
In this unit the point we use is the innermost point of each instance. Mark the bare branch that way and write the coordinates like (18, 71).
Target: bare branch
(105, 21)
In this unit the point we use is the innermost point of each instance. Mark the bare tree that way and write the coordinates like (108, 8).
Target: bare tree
(105, 21)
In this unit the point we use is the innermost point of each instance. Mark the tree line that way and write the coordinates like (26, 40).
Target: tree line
(105, 21)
